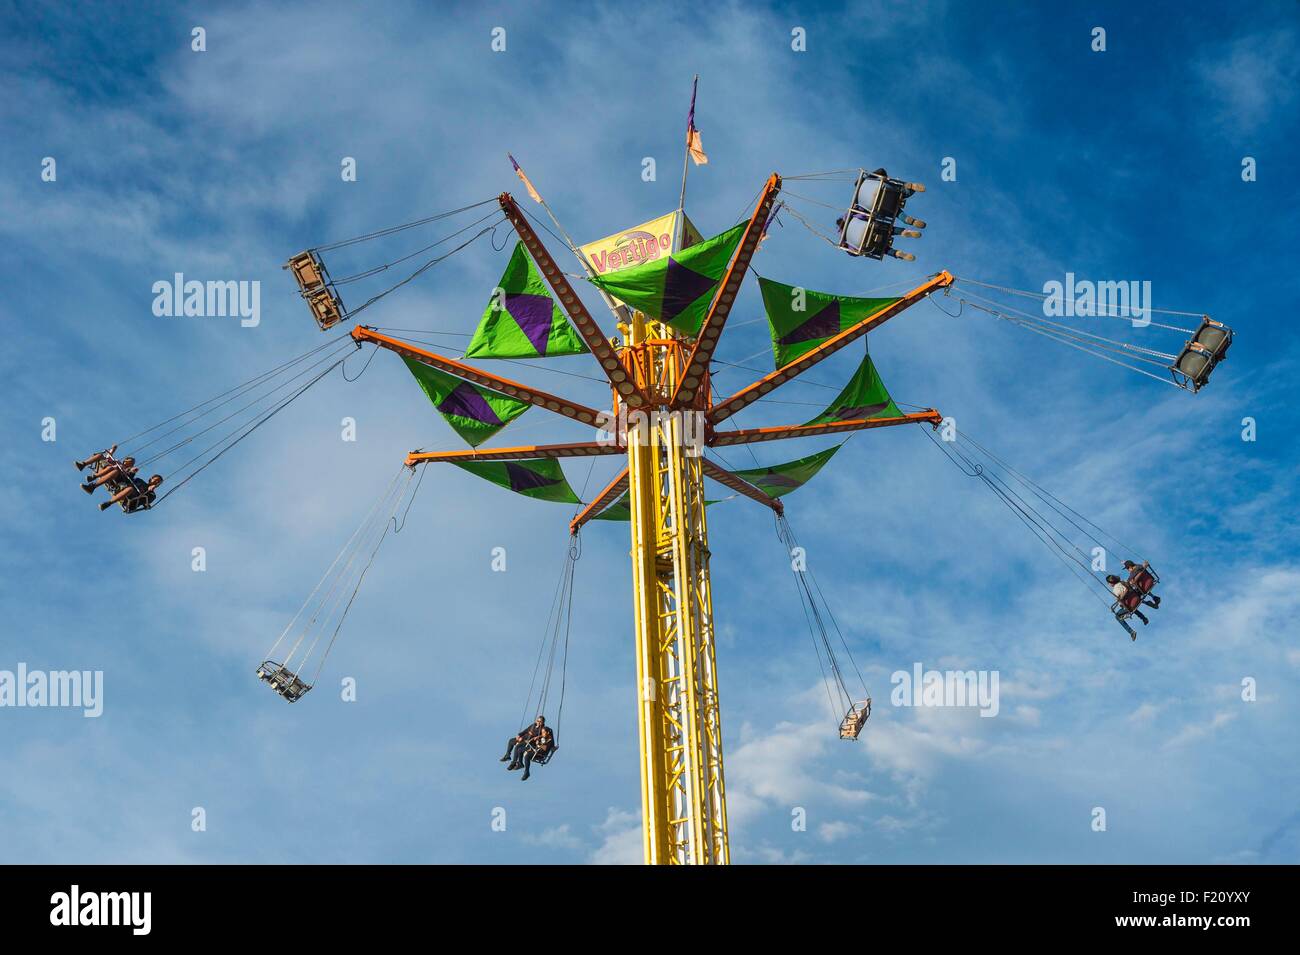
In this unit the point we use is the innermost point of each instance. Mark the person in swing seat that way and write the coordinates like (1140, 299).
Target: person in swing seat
(96, 458)
(114, 474)
(518, 743)
(1139, 575)
(538, 748)
(137, 495)
(1122, 593)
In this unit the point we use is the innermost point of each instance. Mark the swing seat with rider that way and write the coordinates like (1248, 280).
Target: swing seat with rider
(540, 758)
(315, 287)
(868, 227)
(855, 719)
(282, 680)
(1139, 585)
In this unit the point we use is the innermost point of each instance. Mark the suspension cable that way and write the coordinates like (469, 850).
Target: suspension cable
(398, 228)
(252, 382)
(410, 255)
(1043, 296)
(352, 313)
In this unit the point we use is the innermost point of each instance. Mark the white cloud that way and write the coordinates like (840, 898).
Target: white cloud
(621, 841)
(1200, 729)
(1252, 79)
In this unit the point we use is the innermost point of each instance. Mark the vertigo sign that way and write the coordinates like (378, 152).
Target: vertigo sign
(643, 243)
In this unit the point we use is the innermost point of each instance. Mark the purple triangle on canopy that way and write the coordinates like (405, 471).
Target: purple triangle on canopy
(778, 480)
(533, 314)
(525, 479)
(822, 325)
(465, 401)
(682, 286)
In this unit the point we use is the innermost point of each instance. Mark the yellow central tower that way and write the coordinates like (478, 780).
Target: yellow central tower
(683, 793)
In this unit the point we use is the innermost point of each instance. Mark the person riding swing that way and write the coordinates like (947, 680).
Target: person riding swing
(538, 748)
(136, 495)
(111, 474)
(96, 458)
(1141, 579)
(534, 742)
(1128, 600)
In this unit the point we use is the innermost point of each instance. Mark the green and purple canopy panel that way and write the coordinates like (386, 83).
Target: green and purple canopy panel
(476, 413)
(865, 396)
(522, 320)
(781, 479)
(621, 510)
(802, 319)
(542, 479)
(678, 289)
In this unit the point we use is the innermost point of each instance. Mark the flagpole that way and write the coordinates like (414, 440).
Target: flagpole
(620, 311)
(680, 237)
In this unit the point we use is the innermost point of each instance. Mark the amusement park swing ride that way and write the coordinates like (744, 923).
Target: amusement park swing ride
(669, 292)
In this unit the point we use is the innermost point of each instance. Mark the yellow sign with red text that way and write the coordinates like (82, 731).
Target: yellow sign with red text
(643, 243)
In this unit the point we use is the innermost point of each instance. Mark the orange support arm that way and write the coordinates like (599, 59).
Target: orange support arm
(697, 365)
(747, 396)
(532, 452)
(722, 439)
(572, 305)
(601, 501)
(561, 406)
(741, 486)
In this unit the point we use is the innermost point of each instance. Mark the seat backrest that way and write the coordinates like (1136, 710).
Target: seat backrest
(306, 271)
(1142, 580)
(889, 201)
(1213, 338)
(1195, 364)
(1131, 600)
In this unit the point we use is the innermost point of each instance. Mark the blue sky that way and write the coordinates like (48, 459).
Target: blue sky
(1123, 164)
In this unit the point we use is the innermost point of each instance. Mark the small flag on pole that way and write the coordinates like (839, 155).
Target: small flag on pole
(524, 179)
(693, 144)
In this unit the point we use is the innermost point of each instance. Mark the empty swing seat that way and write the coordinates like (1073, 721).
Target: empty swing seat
(1202, 353)
(869, 226)
(314, 285)
(855, 719)
(284, 682)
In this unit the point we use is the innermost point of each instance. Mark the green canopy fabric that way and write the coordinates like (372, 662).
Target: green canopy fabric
(476, 413)
(865, 396)
(542, 479)
(524, 321)
(802, 319)
(679, 288)
(781, 479)
(621, 510)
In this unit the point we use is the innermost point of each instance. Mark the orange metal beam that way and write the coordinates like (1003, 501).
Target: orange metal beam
(532, 452)
(601, 501)
(722, 439)
(747, 396)
(542, 399)
(572, 305)
(697, 365)
(741, 486)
